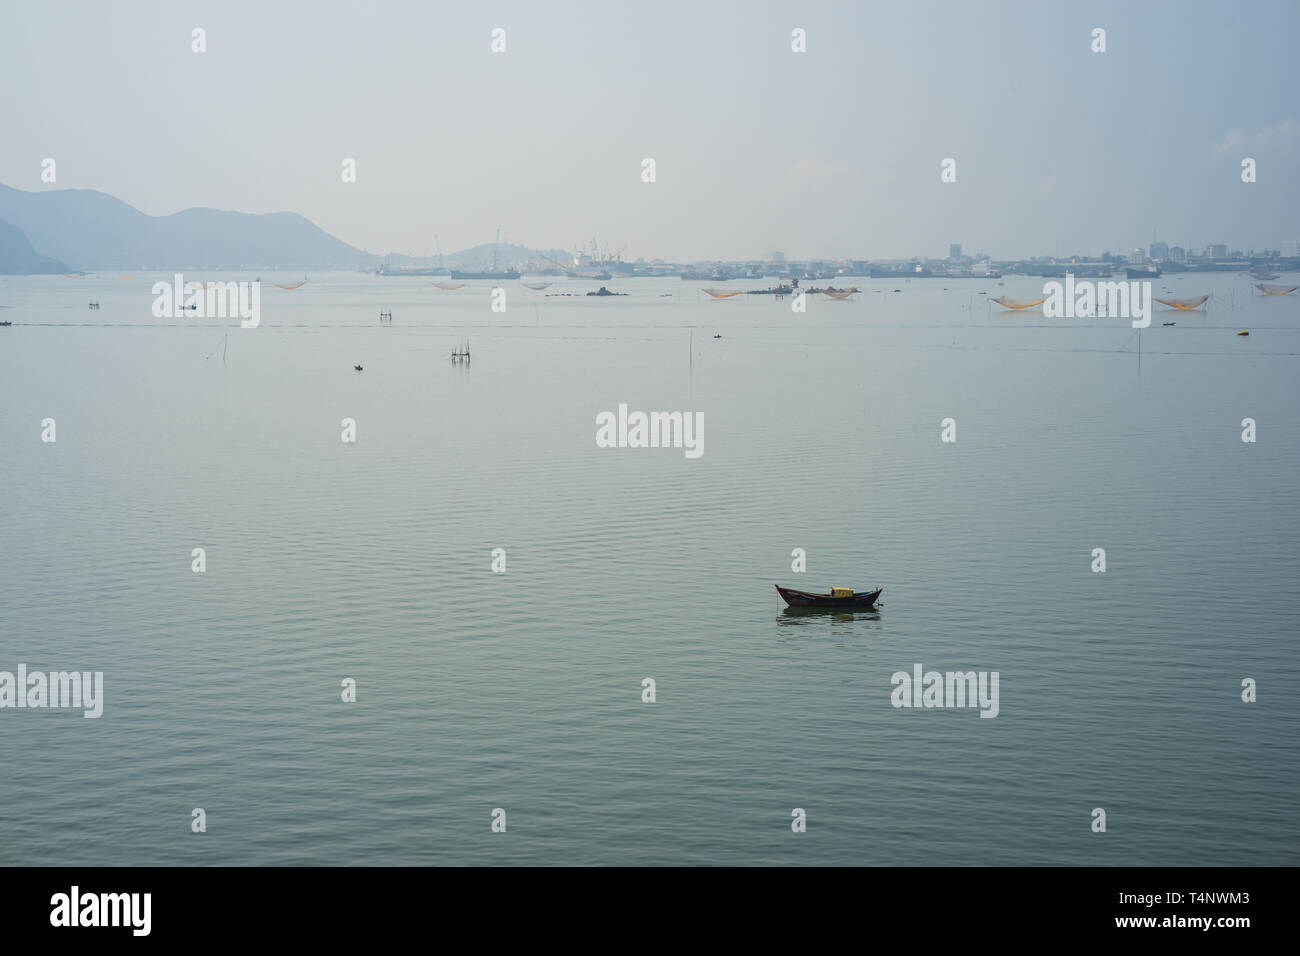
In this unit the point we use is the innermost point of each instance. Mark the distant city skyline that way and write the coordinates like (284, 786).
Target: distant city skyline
(832, 153)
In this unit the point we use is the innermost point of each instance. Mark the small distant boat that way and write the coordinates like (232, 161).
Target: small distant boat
(1267, 289)
(1016, 304)
(724, 293)
(291, 287)
(1243, 332)
(1145, 272)
(6, 323)
(1169, 323)
(448, 286)
(837, 293)
(1185, 305)
(1266, 276)
(842, 598)
(357, 367)
(603, 292)
(535, 286)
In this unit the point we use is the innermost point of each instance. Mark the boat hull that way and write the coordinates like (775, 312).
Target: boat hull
(510, 274)
(862, 601)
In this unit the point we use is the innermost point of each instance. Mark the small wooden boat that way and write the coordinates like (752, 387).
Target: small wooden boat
(1267, 289)
(1243, 332)
(854, 601)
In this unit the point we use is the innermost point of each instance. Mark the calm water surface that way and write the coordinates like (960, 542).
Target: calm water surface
(523, 690)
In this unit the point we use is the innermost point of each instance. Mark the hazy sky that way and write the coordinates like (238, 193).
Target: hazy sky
(833, 152)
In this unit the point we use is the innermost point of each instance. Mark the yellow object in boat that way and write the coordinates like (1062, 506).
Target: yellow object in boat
(841, 592)
(1243, 332)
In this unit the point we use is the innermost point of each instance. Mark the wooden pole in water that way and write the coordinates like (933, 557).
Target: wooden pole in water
(692, 348)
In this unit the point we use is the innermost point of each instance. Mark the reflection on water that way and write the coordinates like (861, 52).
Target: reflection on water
(823, 615)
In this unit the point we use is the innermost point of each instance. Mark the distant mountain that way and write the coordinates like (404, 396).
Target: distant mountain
(18, 258)
(97, 231)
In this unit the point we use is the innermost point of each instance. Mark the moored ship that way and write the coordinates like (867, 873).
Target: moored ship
(493, 273)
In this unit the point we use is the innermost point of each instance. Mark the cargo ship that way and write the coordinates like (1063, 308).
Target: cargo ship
(493, 273)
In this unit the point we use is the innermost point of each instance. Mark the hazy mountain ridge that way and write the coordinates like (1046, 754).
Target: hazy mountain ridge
(18, 257)
(98, 231)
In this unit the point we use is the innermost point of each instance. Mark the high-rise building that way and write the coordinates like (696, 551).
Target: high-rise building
(954, 250)
(1217, 250)
(1159, 250)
